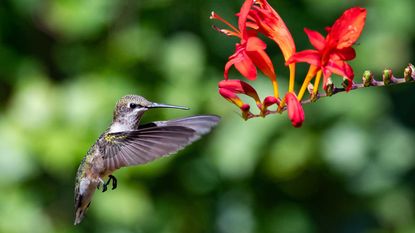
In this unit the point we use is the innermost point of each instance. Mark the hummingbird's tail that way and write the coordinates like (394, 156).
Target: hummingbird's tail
(80, 214)
(83, 196)
(80, 210)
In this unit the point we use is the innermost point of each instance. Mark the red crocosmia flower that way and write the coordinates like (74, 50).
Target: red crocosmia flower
(229, 90)
(248, 56)
(233, 98)
(332, 52)
(294, 109)
(239, 87)
(250, 52)
(265, 19)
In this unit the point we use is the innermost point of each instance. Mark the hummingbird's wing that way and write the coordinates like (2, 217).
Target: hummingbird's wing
(154, 140)
(202, 124)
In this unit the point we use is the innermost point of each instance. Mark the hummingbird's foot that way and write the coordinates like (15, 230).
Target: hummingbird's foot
(114, 181)
(104, 187)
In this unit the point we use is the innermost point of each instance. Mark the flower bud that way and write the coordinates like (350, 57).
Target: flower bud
(409, 70)
(245, 111)
(387, 76)
(231, 97)
(367, 78)
(294, 109)
(270, 100)
(329, 87)
(240, 87)
(347, 84)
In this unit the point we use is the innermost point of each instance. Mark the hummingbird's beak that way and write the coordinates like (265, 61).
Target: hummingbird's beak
(156, 105)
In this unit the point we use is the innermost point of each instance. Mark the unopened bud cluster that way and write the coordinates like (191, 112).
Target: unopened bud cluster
(368, 80)
(388, 77)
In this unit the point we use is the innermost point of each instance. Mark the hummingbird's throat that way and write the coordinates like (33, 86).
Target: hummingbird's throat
(126, 123)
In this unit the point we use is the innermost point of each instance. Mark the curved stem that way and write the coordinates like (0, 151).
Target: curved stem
(410, 78)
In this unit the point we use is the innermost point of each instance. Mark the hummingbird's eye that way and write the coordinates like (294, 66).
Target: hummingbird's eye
(132, 105)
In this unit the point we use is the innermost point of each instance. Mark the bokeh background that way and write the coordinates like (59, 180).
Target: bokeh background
(64, 64)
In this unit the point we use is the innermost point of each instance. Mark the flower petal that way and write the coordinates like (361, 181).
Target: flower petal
(238, 86)
(256, 51)
(316, 39)
(344, 54)
(270, 24)
(312, 57)
(347, 28)
(254, 43)
(242, 63)
(246, 67)
(294, 109)
(242, 17)
(340, 68)
(252, 25)
(231, 97)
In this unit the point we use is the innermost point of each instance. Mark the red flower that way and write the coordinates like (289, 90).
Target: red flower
(231, 97)
(229, 90)
(239, 87)
(332, 52)
(265, 19)
(294, 109)
(250, 52)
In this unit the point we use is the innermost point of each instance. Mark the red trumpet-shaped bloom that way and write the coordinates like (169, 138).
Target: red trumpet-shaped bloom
(332, 52)
(250, 52)
(239, 87)
(294, 109)
(266, 20)
(229, 89)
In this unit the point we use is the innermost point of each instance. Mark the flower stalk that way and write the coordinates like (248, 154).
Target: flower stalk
(367, 75)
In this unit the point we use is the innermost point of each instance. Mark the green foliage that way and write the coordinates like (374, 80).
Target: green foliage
(64, 64)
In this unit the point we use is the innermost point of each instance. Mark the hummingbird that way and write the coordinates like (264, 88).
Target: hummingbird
(126, 142)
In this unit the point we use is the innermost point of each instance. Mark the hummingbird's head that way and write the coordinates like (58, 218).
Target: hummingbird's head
(130, 109)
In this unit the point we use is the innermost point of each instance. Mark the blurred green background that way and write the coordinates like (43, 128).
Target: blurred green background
(64, 64)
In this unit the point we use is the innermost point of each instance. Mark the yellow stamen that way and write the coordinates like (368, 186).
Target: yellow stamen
(216, 16)
(310, 75)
